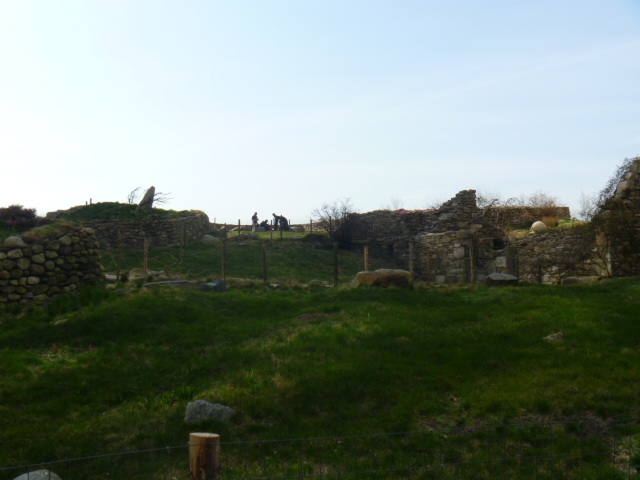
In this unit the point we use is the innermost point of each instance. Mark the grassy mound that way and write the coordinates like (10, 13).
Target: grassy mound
(104, 372)
(115, 211)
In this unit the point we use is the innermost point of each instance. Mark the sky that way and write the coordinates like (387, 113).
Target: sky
(281, 106)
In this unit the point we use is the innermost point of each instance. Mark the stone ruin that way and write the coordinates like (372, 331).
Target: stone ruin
(459, 243)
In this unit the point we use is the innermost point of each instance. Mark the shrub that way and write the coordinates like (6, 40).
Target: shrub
(17, 218)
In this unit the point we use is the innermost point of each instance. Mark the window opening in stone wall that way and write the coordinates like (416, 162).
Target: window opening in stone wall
(499, 244)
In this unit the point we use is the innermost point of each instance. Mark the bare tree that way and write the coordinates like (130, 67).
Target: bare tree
(161, 198)
(133, 194)
(588, 206)
(394, 204)
(541, 199)
(609, 190)
(336, 219)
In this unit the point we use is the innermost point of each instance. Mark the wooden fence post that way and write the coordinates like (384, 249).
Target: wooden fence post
(119, 256)
(310, 225)
(184, 240)
(238, 227)
(271, 228)
(204, 456)
(224, 253)
(412, 262)
(335, 264)
(366, 258)
(145, 256)
(264, 263)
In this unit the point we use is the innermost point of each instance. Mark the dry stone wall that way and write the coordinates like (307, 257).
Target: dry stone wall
(551, 256)
(459, 245)
(44, 269)
(523, 217)
(161, 232)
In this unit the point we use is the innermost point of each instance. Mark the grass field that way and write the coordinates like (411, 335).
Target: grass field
(104, 372)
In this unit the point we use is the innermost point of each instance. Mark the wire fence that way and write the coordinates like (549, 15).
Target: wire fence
(267, 257)
(569, 450)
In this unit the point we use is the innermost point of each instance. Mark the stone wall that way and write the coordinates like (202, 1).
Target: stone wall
(458, 245)
(551, 256)
(161, 232)
(619, 224)
(523, 217)
(44, 269)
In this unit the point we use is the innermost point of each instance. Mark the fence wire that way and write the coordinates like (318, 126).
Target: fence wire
(568, 450)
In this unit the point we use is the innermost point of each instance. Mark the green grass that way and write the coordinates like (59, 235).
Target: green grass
(104, 372)
(115, 211)
(289, 260)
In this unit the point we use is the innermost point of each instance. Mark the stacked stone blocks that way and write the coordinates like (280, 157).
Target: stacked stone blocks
(46, 268)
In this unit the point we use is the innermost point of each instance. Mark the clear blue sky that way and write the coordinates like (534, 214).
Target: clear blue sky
(281, 105)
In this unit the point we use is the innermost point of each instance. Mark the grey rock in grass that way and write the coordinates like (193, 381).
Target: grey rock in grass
(39, 475)
(214, 286)
(538, 227)
(554, 337)
(500, 279)
(201, 410)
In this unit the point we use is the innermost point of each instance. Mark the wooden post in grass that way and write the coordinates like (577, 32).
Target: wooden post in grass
(119, 256)
(145, 256)
(224, 253)
(412, 253)
(310, 225)
(335, 264)
(184, 240)
(238, 227)
(366, 258)
(271, 228)
(204, 456)
(264, 263)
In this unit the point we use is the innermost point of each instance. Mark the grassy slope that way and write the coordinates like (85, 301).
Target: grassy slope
(117, 375)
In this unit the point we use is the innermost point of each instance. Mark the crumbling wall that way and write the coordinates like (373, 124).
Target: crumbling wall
(619, 224)
(458, 245)
(513, 217)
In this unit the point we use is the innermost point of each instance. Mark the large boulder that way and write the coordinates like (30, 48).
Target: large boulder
(538, 227)
(385, 277)
(201, 411)
(38, 475)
